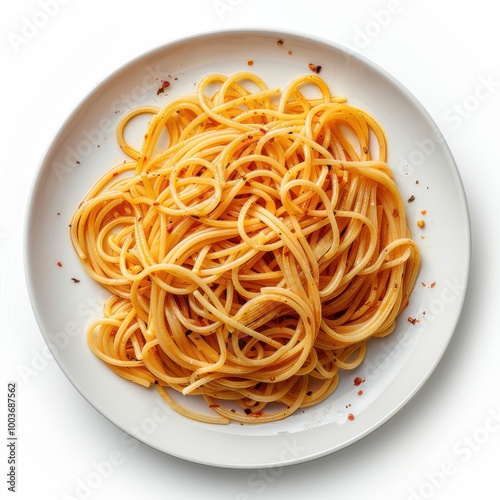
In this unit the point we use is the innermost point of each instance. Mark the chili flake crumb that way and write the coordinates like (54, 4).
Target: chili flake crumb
(156, 382)
(290, 52)
(411, 320)
(314, 68)
(421, 223)
(358, 381)
(74, 280)
(423, 212)
(77, 162)
(58, 213)
(350, 416)
(59, 264)
(250, 62)
(411, 198)
(309, 393)
(395, 212)
(279, 43)
(248, 411)
(433, 284)
(164, 85)
(360, 393)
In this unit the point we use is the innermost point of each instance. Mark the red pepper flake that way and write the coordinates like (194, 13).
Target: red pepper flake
(164, 85)
(314, 68)
(433, 284)
(59, 264)
(395, 212)
(74, 280)
(358, 381)
(423, 212)
(411, 320)
(411, 198)
(250, 62)
(360, 393)
(279, 43)
(350, 416)
(58, 213)
(156, 203)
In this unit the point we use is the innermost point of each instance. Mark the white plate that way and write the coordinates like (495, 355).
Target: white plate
(395, 367)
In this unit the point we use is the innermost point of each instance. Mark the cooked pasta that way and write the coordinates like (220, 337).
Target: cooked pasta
(252, 245)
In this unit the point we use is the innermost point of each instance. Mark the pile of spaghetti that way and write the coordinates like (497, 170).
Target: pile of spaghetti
(252, 245)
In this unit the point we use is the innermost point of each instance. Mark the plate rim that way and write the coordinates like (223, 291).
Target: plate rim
(196, 38)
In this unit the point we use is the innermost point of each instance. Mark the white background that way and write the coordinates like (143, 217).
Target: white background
(444, 444)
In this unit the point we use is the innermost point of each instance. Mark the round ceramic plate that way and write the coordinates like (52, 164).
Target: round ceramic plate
(65, 300)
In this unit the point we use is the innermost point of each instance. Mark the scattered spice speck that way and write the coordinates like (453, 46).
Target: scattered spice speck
(421, 223)
(59, 264)
(314, 68)
(411, 198)
(250, 62)
(164, 84)
(74, 280)
(279, 43)
(350, 416)
(411, 320)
